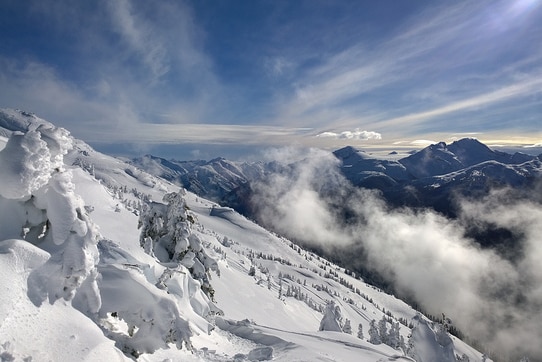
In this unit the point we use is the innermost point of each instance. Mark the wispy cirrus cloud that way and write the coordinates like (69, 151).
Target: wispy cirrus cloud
(507, 92)
(439, 68)
(277, 66)
(224, 134)
(130, 62)
(449, 50)
(140, 36)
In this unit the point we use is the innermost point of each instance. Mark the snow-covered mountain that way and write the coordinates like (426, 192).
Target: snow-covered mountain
(102, 261)
(441, 159)
(365, 170)
(431, 177)
(465, 164)
(212, 179)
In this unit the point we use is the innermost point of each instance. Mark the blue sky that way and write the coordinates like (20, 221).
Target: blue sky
(205, 78)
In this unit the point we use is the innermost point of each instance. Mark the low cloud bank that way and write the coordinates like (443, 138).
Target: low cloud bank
(491, 298)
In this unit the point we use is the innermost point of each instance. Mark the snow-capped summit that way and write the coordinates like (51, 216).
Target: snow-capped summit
(363, 169)
(470, 151)
(441, 159)
(433, 160)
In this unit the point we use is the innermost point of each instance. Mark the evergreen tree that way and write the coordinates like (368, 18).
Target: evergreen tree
(374, 336)
(347, 328)
(394, 338)
(410, 350)
(383, 330)
(268, 281)
(332, 319)
(360, 331)
(166, 233)
(252, 271)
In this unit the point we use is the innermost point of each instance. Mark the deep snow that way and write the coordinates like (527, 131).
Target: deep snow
(77, 283)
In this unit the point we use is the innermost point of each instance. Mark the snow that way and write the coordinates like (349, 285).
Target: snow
(431, 343)
(51, 332)
(26, 165)
(80, 283)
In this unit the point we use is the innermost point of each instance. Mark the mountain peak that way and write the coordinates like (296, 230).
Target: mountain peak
(471, 151)
(346, 152)
(469, 143)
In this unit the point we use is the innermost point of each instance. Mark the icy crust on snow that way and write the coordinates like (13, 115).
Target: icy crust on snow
(12, 120)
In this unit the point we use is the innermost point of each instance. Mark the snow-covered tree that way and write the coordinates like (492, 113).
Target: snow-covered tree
(166, 233)
(374, 336)
(383, 329)
(360, 331)
(252, 271)
(430, 342)
(394, 337)
(347, 328)
(39, 204)
(332, 319)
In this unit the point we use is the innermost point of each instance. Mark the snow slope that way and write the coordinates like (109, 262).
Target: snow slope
(80, 281)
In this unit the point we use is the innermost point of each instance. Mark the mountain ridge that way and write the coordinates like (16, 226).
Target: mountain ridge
(437, 168)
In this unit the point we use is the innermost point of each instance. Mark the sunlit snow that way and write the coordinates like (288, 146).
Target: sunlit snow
(195, 282)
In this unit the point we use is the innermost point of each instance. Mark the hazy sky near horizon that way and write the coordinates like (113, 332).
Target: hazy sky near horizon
(208, 78)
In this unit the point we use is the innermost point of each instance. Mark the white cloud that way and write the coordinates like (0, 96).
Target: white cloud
(36, 87)
(153, 64)
(356, 134)
(134, 61)
(509, 91)
(277, 66)
(139, 34)
(199, 133)
(422, 143)
(493, 299)
(440, 49)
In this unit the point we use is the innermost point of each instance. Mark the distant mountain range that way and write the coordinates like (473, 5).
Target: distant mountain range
(431, 177)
